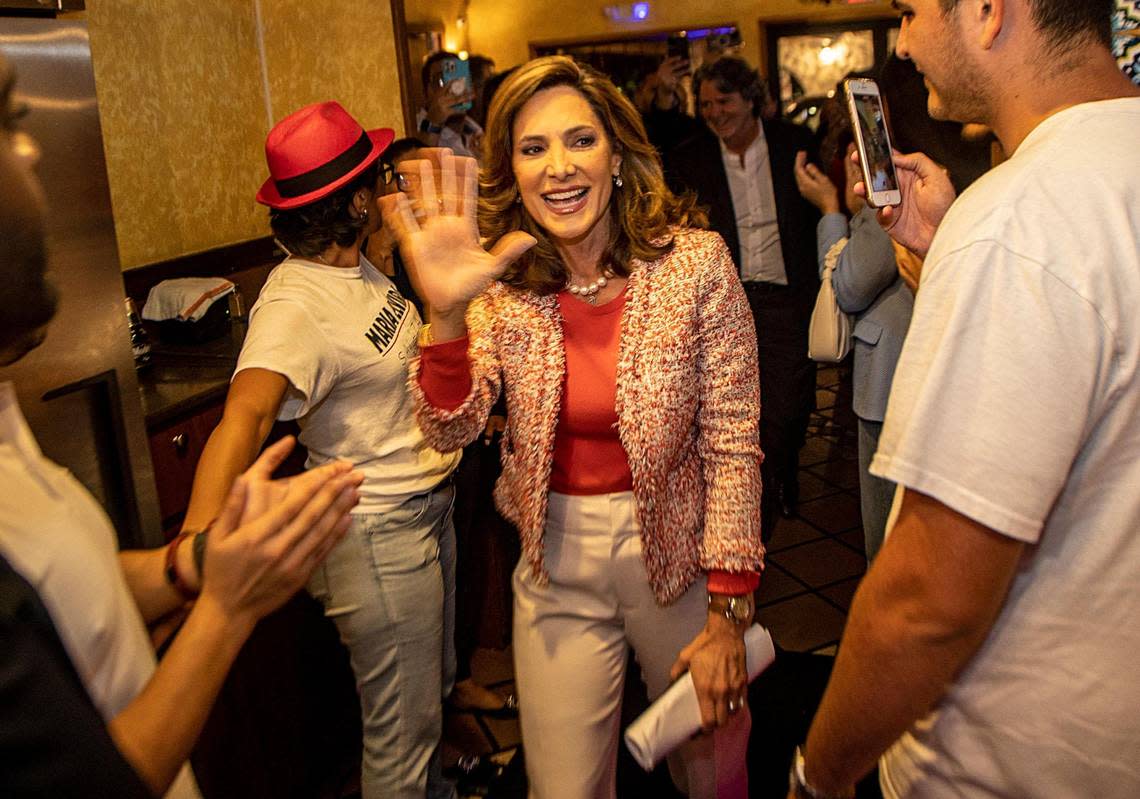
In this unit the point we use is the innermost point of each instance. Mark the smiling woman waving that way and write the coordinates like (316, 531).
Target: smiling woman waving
(623, 342)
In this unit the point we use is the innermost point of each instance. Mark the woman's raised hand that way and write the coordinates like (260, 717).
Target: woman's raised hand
(434, 221)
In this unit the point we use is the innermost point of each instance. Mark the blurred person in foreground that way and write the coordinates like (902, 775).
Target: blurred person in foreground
(74, 652)
(631, 461)
(991, 649)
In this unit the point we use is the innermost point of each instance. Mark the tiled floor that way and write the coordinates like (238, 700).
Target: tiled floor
(814, 563)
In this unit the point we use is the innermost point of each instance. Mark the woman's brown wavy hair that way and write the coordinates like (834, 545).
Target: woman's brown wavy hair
(643, 212)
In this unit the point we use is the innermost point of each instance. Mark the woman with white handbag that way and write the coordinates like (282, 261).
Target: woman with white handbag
(858, 256)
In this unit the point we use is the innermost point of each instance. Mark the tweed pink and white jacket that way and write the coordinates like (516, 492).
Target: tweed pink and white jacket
(688, 407)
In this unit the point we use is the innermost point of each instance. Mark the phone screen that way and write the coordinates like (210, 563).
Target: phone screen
(456, 77)
(876, 144)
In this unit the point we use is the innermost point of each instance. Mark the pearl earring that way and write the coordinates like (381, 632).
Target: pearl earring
(618, 182)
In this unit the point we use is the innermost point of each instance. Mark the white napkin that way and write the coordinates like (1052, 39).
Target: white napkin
(185, 298)
(676, 715)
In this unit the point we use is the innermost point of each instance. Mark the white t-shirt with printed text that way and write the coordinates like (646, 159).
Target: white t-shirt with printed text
(344, 338)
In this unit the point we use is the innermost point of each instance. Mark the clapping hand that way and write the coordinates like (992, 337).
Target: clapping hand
(271, 534)
(434, 221)
(927, 194)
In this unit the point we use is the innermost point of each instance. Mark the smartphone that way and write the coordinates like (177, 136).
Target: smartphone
(677, 47)
(456, 77)
(874, 142)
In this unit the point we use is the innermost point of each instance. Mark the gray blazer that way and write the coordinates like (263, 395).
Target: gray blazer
(867, 286)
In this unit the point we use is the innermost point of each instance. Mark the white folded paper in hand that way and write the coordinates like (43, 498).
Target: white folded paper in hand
(676, 715)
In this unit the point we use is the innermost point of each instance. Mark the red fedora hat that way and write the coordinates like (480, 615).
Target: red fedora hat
(314, 151)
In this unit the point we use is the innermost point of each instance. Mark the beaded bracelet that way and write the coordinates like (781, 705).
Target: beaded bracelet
(171, 567)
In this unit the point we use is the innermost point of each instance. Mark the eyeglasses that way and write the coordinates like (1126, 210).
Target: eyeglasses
(387, 172)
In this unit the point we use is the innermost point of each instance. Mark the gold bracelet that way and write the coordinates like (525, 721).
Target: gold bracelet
(426, 339)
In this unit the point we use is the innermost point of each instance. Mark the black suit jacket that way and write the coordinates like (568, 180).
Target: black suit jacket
(696, 165)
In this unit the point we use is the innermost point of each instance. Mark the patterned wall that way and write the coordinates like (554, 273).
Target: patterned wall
(1126, 38)
(183, 105)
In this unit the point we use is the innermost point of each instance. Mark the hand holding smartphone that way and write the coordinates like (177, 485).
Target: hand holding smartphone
(869, 124)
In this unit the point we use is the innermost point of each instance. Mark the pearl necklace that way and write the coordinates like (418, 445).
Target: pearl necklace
(589, 293)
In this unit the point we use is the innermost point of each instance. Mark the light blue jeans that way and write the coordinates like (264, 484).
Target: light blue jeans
(390, 588)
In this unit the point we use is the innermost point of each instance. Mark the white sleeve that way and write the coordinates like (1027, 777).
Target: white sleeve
(997, 388)
(284, 338)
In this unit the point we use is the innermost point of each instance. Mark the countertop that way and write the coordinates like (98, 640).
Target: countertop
(180, 379)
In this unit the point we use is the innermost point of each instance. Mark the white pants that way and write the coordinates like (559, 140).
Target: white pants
(570, 641)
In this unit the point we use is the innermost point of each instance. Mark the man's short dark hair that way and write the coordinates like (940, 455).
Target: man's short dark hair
(731, 74)
(1066, 22)
(431, 61)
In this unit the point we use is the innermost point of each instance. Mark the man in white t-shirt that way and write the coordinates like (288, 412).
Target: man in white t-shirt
(991, 650)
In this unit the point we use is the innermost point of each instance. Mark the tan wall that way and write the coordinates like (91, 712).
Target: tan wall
(185, 107)
(503, 29)
(445, 13)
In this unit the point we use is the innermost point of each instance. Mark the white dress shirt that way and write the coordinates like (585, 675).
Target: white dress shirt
(754, 203)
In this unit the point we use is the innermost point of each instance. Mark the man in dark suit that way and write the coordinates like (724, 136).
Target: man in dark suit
(742, 169)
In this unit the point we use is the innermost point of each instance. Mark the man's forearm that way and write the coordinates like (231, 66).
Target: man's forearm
(157, 731)
(890, 670)
(924, 609)
(145, 573)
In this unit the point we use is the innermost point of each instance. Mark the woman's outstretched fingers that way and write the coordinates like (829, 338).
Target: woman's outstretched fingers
(470, 189)
(428, 194)
(398, 216)
(448, 195)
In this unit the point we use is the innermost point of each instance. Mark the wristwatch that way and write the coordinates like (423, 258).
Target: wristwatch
(426, 126)
(737, 609)
(799, 787)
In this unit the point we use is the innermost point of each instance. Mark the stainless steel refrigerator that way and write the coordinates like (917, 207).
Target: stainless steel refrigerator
(79, 390)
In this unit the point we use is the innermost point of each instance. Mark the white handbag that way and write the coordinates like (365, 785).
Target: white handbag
(829, 334)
